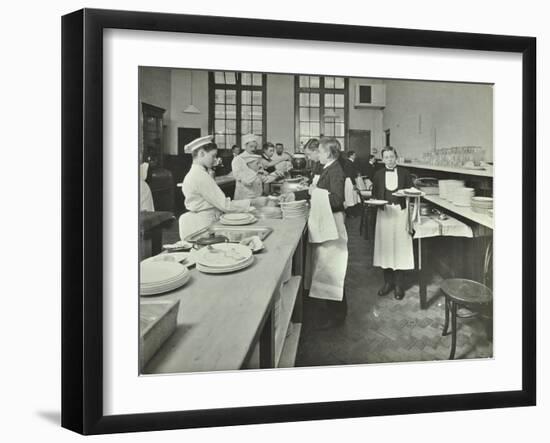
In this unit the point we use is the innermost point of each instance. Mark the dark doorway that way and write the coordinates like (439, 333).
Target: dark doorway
(186, 135)
(359, 141)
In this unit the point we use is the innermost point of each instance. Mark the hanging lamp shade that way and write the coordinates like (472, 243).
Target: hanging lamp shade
(191, 108)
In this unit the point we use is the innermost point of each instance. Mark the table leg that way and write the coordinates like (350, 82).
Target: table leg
(446, 325)
(422, 275)
(267, 343)
(453, 325)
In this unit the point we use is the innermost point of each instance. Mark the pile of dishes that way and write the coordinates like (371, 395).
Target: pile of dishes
(462, 196)
(223, 257)
(237, 219)
(157, 277)
(447, 188)
(294, 209)
(482, 204)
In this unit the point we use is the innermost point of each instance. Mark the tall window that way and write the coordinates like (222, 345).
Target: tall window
(237, 106)
(321, 108)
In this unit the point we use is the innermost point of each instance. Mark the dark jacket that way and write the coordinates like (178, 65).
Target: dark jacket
(404, 180)
(370, 170)
(333, 180)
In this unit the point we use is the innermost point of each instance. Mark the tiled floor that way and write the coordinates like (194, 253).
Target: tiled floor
(380, 329)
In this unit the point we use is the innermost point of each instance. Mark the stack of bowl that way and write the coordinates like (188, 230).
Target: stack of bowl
(447, 188)
(463, 196)
(482, 205)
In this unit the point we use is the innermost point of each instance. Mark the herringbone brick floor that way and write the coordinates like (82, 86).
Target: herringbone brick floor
(382, 329)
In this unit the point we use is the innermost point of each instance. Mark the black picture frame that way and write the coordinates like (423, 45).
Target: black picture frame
(82, 215)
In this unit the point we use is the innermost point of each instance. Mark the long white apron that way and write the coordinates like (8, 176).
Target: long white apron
(326, 264)
(191, 222)
(393, 246)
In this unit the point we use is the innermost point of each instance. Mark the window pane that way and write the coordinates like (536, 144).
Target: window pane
(314, 99)
(313, 82)
(339, 130)
(220, 111)
(329, 100)
(257, 79)
(220, 140)
(219, 126)
(246, 78)
(339, 82)
(246, 97)
(314, 114)
(231, 96)
(304, 81)
(220, 96)
(304, 129)
(257, 97)
(340, 115)
(303, 140)
(230, 140)
(257, 127)
(314, 129)
(329, 82)
(230, 78)
(257, 112)
(329, 129)
(342, 142)
(231, 111)
(219, 78)
(304, 99)
(304, 114)
(246, 112)
(245, 127)
(231, 127)
(338, 100)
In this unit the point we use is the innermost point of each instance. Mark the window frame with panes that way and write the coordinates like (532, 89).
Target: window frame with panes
(310, 112)
(239, 91)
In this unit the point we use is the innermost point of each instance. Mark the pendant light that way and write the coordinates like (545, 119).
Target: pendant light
(191, 109)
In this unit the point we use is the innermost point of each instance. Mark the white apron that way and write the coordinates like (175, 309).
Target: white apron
(326, 264)
(244, 192)
(191, 222)
(393, 246)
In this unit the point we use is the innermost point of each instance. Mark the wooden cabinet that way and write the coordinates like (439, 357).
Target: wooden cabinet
(152, 134)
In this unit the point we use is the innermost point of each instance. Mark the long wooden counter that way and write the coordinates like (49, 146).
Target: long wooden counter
(222, 317)
(466, 212)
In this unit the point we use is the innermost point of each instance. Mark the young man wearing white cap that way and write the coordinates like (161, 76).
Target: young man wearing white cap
(204, 199)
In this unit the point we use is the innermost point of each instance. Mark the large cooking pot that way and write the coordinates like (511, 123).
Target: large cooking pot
(299, 161)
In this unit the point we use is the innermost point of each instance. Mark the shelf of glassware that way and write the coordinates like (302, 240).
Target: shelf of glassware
(478, 172)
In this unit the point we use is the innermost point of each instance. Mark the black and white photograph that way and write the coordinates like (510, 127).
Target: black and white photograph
(303, 220)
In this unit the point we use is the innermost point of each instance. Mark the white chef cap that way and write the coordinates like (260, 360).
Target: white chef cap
(197, 143)
(248, 138)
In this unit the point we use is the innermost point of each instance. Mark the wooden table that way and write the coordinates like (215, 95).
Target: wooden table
(223, 317)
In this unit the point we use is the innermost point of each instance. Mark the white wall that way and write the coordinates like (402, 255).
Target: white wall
(366, 118)
(427, 115)
(280, 110)
(181, 98)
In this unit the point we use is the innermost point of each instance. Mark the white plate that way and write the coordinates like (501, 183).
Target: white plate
(213, 270)
(247, 221)
(293, 204)
(175, 257)
(223, 255)
(236, 217)
(375, 202)
(157, 272)
(164, 288)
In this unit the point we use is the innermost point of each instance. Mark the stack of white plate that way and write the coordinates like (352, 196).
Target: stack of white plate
(236, 219)
(294, 209)
(462, 196)
(482, 204)
(223, 257)
(157, 277)
(447, 188)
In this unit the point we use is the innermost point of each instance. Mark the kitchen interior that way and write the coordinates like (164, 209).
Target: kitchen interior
(261, 316)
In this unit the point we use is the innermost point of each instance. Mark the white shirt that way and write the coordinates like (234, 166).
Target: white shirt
(391, 179)
(203, 193)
